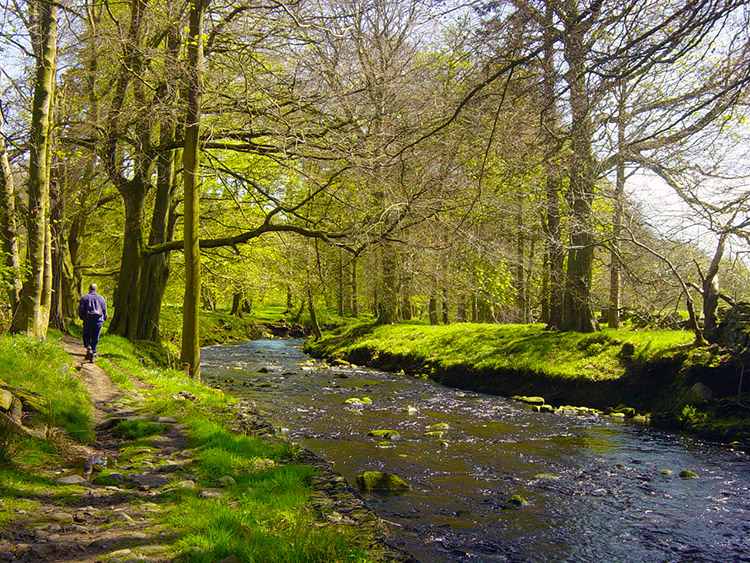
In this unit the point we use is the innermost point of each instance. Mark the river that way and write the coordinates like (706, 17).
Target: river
(597, 490)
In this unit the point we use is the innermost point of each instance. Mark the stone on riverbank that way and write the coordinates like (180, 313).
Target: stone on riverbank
(698, 394)
(380, 481)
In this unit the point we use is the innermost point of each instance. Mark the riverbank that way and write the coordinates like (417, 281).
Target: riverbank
(157, 467)
(656, 374)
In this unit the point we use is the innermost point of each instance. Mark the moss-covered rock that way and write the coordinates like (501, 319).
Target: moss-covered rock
(356, 401)
(546, 477)
(687, 474)
(385, 445)
(439, 426)
(529, 400)
(517, 501)
(380, 481)
(392, 435)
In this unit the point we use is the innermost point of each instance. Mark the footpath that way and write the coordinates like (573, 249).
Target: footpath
(118, 520)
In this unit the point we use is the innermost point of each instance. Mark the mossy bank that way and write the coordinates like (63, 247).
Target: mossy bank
(654, 373)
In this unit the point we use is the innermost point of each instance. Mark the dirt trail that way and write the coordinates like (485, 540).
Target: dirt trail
(116, 519)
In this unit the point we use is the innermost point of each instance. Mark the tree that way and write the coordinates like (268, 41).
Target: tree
(33, 311)
(8, 223)
(190, 354)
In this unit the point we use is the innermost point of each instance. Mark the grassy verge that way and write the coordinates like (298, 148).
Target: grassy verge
(43, 368)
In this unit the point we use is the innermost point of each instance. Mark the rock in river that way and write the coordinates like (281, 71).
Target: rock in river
(391, 435)
(379, 481)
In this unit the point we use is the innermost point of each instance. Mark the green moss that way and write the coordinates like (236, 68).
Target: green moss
(518, 501)
(387, 434)
(379, 481)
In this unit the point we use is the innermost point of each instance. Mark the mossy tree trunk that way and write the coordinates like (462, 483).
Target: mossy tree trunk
(388, 302)
(190, 352)
(163, 217)
(8, 223)
(577, 312)
(33, 311)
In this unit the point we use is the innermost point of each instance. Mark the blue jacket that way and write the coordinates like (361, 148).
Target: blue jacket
(92, 307)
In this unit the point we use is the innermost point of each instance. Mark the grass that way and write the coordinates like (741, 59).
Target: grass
(42, 367)
(520, 348)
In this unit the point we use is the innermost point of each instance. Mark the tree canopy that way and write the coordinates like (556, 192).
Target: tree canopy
(470, 162)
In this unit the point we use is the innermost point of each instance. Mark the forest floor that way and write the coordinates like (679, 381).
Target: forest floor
(120, 518)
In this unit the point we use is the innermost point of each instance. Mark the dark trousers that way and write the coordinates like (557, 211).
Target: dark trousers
(91, 331)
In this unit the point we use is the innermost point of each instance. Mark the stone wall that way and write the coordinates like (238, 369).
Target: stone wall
(733, 330)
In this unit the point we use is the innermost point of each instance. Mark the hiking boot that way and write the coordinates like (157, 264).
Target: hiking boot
(89, 355)
(93, 355)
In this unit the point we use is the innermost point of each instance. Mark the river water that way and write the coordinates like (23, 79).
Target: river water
(597, 490)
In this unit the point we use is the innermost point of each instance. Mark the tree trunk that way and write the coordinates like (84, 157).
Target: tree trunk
(388, 305)
(313, 316)
(577, 312)
(8, 224)
(289, 304)
(615, 267)
(353, 273)
(446, 316)
(405, 298)
(710, 291)
(32, 317)
(341, 283)
(520, 270)
(236, 304)
(461, 311)
(555, 257)
(433, 311)
(156, 268)
(127, 296)
(190, 353)
(57, 316)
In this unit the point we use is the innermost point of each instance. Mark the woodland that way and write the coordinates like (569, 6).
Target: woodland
(477, 161)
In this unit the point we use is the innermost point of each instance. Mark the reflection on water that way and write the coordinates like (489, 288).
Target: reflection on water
(596, 490)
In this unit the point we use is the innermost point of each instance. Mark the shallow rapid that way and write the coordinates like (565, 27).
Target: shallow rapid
(596, 490)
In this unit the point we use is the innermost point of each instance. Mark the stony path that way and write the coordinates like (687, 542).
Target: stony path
(116, 520)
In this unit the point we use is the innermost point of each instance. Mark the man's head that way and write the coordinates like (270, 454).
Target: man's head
(92, 287)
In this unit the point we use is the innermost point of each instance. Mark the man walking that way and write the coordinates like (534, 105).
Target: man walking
(92, 309)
